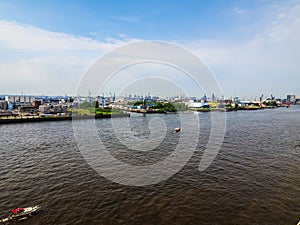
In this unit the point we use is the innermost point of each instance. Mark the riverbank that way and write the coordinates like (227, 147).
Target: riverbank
(58, 118)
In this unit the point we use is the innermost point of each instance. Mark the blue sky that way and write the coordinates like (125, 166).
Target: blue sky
(251, 46)
(163, 20)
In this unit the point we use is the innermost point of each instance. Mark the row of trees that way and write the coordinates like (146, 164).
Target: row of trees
(159, 106)
(162, 106)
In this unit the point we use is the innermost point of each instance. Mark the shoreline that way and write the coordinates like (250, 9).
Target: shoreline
(62, 118)
(107, 116)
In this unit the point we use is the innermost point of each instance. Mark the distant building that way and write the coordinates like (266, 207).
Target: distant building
(59, 109)
(36, 103)
(10, 106)
(213, 97)
(27, 108)
(19, 98)
(5, 113)
(103, 101)
(197, 105)
(3, 105)
(291, 98)
(46, 109)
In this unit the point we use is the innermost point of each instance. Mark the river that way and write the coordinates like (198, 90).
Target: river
(254, 179)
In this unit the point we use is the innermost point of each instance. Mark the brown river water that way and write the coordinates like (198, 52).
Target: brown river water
(254, 179)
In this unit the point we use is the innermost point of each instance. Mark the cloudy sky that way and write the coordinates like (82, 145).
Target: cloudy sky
(252, 47)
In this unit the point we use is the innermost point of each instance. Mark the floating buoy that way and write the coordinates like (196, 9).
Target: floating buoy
(177, 129)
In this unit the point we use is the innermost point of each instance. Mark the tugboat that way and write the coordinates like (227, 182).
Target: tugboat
(21, 213)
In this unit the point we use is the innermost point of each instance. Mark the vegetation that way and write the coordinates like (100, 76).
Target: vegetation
(96, 111)
(89, 105)
(271, 103)
(92, 109)
(163, 107)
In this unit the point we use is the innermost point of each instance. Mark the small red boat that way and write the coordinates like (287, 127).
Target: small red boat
(21, 213)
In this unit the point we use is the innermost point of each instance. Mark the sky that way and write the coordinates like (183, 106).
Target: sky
(251, 47)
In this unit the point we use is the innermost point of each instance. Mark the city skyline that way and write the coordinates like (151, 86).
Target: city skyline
(151, 95)
(250, 47)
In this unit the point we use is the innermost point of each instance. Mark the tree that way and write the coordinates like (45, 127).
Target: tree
(170, 107)
(96, 104)
(137, 103)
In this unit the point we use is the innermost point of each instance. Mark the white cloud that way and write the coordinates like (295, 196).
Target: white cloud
(46, 62)
(34, 39)
(286, 27)
(49, 75)
(268, 62)
(40, 61)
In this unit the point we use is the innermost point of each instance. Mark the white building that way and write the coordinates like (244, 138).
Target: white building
(19, 98)
(194, 105)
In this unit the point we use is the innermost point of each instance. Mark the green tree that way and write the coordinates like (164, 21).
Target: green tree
(96, 104)
(85, 105)
(169, 107)
(137, 103)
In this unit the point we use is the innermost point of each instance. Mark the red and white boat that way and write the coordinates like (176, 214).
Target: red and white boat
(21, 213)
